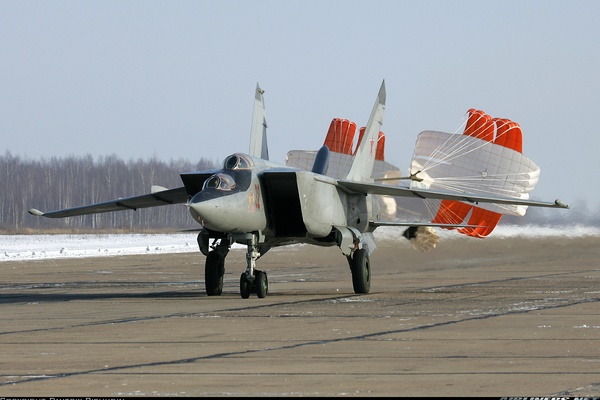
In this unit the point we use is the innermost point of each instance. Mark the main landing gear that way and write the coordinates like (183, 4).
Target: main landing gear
(355, 246)
(251, 281)
(360, 267)
(214, 269)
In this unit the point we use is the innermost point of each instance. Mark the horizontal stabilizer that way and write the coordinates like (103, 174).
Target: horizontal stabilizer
(375, 188)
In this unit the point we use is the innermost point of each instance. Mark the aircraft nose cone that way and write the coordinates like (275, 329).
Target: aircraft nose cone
(205, 211)
(229, 213)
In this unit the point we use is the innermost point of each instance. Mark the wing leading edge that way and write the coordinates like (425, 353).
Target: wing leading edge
(160, 198)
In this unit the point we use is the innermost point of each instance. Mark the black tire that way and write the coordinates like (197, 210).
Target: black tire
(262, 284)
(214, 270)
(244, 286)
(361, 272)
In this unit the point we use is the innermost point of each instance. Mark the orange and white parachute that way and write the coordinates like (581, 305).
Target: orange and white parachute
(486, 159)
(340, 141)
(340, 137)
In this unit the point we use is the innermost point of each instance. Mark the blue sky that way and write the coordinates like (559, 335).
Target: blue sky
(176, 79)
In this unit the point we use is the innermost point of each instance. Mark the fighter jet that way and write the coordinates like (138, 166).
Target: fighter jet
(261, 204)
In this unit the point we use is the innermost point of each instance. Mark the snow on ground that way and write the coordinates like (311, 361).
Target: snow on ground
(33, 247)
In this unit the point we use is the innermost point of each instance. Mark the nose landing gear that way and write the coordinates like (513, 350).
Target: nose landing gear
(258, 285)
(253, 280)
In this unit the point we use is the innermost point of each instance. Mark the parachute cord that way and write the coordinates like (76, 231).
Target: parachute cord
(463, 146)
(438, 151)
(486, 171)
(494, 184)
(460, 143)
(432, 205)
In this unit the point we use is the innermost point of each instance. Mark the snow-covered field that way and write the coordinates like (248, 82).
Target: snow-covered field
(32, 247)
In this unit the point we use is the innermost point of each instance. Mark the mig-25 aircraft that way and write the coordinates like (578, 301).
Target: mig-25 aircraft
(330, 197)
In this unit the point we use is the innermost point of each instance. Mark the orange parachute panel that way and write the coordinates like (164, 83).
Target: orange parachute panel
(479, 125)
(502, 126)
(380, 143)
(482, 126)
(487, 221)
(340, 136)
(509, 134)
(451, 212)
(380, 147)
(361, 133)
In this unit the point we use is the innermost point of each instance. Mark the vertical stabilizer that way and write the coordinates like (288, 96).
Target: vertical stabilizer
(362, 166)
(258, 133)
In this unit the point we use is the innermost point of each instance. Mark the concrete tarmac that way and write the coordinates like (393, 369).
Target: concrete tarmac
(493, 317)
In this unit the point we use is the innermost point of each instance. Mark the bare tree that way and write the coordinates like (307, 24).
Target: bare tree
(72, 181)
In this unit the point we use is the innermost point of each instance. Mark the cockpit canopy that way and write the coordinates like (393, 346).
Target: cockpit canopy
(219, 181)
(237, 161)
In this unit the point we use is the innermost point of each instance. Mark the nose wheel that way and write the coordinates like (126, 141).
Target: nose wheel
(253, 280)
(258, 284)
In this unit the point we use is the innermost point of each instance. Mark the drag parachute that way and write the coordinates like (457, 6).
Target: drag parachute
(341, 142)
(486, 159)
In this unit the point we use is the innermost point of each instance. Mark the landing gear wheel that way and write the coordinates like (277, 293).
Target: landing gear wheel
(261, 283)
(214, 269)
(361, 272)
(244, 286)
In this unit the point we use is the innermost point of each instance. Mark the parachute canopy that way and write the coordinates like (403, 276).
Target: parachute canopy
(340, 141)
(486, 159)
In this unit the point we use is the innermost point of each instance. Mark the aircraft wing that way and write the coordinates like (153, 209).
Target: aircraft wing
(158, 198)
(389, 190)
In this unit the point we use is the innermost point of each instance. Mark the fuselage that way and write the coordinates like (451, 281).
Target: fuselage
(286, 204)
(231, 200)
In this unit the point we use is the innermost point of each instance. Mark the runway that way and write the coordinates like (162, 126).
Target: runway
(493, 317)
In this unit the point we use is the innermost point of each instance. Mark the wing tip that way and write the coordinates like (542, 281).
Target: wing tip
(36, 212)
(561, 204)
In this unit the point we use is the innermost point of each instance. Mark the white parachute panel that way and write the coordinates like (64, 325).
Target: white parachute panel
(462, 163)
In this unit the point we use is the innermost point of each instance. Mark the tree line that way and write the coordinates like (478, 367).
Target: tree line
(62, 182)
